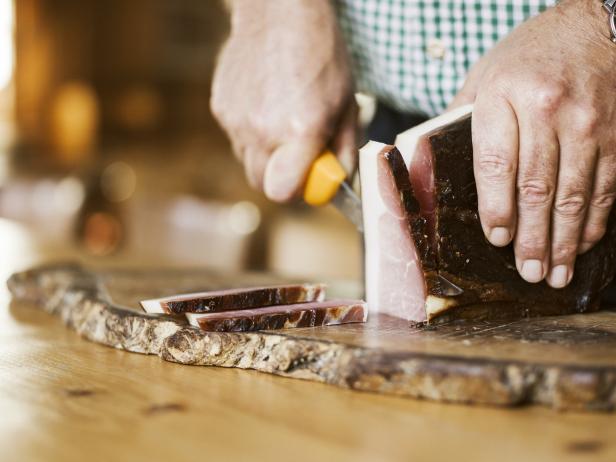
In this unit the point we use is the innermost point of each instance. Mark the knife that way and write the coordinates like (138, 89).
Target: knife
(327, 184)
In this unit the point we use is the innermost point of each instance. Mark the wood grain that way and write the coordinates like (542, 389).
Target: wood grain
(64, 399)
(568, 363)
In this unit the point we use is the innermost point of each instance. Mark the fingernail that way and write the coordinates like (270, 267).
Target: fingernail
(585, 247)
(532, 270)
(500, 236)
(559, 276)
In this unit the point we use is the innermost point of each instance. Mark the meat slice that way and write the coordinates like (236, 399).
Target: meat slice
(312, 314)
(394, 272)
(443, 239)
(236, 299)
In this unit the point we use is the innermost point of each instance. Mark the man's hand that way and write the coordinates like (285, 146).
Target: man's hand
(544, 137)
(283, 91)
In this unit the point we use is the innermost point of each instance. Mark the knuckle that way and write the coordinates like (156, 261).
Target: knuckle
(548, 98)
(495, 166)
(564, 251)
(494, 212)
(309, 127)
(229, 120)
(586, 121)
(535, 192)
(307, 130)
(216, 106)
(497, 82)
(260, 124)
(571, 204)
(531, 246)
(603, 200)
(593, 233)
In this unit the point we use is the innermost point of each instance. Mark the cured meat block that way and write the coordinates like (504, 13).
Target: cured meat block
(443, 241)
(313, 314)
(236, 299)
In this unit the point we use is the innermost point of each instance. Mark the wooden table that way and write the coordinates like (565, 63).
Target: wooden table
(63, 399)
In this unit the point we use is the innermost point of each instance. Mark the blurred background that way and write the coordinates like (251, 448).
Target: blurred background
(108, 152)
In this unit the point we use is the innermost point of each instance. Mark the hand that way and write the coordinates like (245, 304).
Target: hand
(544, 138)
(283, 91)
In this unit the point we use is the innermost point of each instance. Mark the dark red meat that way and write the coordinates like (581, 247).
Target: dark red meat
(313, 314)
(236, 299)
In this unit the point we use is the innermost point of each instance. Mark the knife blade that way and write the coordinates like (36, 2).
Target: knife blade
(349, 204)
(446, 287)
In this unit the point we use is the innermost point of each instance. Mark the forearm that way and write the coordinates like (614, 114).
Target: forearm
(283, 91)
(255, 13)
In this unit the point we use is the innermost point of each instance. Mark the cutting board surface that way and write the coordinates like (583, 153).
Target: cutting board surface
(566, 362)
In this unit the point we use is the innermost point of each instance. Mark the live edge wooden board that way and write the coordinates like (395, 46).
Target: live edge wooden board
(568, 362)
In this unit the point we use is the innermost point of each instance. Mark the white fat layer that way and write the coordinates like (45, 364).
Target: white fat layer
(436, 305)
(152, 306)
(407, 140)
(193, 319)
(372, 208)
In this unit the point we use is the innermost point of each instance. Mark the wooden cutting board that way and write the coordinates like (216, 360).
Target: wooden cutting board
(567, 362)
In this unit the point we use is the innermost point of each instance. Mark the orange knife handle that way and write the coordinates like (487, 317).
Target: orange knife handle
(325, 177)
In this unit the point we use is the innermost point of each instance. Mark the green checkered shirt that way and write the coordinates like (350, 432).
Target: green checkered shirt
(414, 54)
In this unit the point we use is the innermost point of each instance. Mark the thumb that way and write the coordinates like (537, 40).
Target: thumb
(287, 168)
(464, 97)
(344, 143)
(468, 92)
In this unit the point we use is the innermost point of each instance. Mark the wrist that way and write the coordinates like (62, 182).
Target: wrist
(591, 17)
(247, 15)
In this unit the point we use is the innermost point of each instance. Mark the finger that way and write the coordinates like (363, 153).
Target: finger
(536, 180)
(239, 150)
(344, 143)
(601, 202)
(288, 166)
(466, 95)
(573, 188)
(255, 163)
(468, 92)
(495, 148)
